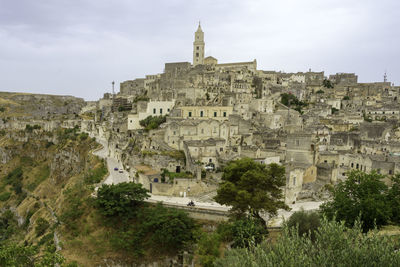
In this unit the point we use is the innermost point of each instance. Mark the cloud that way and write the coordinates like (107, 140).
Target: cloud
(79, 47)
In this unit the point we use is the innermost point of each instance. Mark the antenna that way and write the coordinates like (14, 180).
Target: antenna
(113, 87)
(385, 77)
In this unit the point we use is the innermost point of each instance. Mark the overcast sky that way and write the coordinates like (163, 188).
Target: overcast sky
(78, 47)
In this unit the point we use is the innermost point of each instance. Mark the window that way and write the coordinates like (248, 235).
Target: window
(221, 149)
(357, 166)
(201, 113)
(190, 114)
(197, 48)
(168, 110)
(390, 172)
(131, 121)
(160, 110)
(224, 113)
(174, 132)
(215, 114)
(352, 164)
(154, 111)
(197, 54)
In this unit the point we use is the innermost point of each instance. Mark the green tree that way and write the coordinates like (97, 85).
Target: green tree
(156, 228)
(361, 194)
(249, 186)
(208, 249)
(334, 245)
(120, 199)
(327, 84)
(248, 232)
(393, 198)
(305, 222)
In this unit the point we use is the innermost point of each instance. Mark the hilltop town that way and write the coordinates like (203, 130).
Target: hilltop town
(174, 131)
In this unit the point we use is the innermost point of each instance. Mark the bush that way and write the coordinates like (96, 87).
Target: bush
(334, 245)
(151, 122)
(41, 226)
(14, 178)
(30, 128)
(334, 110)
(73, 207)
(305, 222)
(248, 232)
(8, 225)
(327, 84)
(5, 196)
(96, 175)
(208, 249)
(83, 136)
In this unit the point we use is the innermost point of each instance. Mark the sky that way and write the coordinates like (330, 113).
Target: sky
(78, 47)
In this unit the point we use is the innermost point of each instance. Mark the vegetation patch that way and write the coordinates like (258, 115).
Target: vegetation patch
(151, 122)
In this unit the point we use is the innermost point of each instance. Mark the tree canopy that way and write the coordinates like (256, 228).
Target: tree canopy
(361, 194)
(249, 186)
(120, 199)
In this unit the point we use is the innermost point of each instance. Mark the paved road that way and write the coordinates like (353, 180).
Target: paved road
(114, 177)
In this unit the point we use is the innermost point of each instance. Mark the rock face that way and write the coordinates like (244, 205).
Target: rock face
(66, 163)
(5, 155)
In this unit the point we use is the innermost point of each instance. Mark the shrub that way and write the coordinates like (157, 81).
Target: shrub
(248, 232)
(14, 178)
(208, 249)
(96, 175)
(305, 222)
(41, 226)
(327, 84)
(334, 245)
(5, 196)
(73, 207)
(151, 122)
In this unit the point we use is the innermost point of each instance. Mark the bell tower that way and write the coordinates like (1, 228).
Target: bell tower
(198, 47)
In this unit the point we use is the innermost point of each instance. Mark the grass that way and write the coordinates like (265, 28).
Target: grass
(41, 175)
(97, 174)
(5, 196)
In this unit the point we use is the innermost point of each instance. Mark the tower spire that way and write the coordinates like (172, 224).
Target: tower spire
(198, 46)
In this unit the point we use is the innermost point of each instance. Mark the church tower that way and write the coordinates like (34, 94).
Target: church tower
(198, 47)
